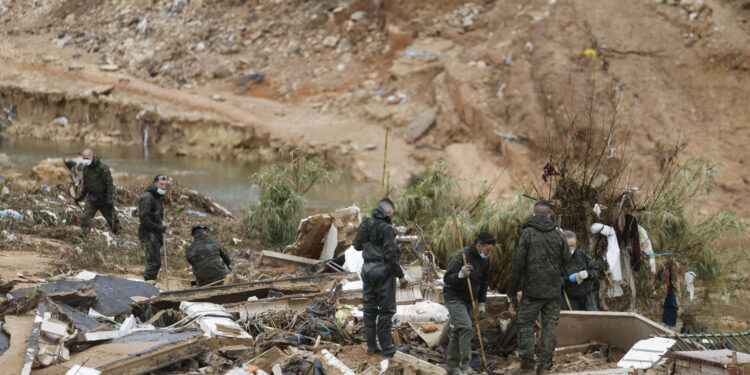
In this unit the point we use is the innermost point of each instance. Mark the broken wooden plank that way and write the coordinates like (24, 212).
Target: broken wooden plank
(224, 294)
(273, 258)
(333, 365)
(426, 332)
(19, 329)
(151, 360)
(33, 342)
(296, 303)
(418, 364)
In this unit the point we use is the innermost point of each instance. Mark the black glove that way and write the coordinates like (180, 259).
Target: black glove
(161, 228)
(78, 199)
(403, 283)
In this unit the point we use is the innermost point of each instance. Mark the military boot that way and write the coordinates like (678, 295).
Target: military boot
(372, 340)
(543, 369)
(386, 342)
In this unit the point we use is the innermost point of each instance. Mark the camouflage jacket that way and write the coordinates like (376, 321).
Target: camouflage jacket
(540, 257)
(377, 239)
(210, 260)
(97, 182)
(150, 211)
(480, 277)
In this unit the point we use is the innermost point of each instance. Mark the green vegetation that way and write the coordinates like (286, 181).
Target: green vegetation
(280, 207)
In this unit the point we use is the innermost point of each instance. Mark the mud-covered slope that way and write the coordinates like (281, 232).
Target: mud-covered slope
(336, 73)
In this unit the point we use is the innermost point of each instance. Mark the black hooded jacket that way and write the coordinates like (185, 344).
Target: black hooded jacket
(150, 211)
(456, 287)
(377, 240)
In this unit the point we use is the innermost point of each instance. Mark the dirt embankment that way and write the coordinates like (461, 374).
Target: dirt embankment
(336, 74)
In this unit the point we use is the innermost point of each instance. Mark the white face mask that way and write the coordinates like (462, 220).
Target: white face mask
(161, 191)
(87, 162)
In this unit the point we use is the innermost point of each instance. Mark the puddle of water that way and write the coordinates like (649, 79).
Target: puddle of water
(226, 182)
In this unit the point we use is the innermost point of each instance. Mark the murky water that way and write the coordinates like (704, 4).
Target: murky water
(226, 182)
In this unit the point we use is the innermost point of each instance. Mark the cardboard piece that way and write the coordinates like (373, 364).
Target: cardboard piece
(19, 329)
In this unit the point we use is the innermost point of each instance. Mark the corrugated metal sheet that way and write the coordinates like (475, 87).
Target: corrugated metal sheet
(645, 352)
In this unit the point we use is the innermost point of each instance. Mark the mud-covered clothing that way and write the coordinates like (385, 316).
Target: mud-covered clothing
(108, 211)
(528, 310)
(541, 254)
(458, 352)
(98, 190)
(457, 288)
(151, 212)
(151, 230)
(377, 241)
(540, 257)
(97, 183)
(579, 261)
(151, 244)
(210, 260)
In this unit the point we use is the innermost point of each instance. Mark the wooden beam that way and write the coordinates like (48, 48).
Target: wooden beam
(163, 356)
(418, 364)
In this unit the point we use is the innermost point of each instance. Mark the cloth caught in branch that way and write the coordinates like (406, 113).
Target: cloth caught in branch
(669, 317)
(627, 234)
(646, 248)
(613, 249)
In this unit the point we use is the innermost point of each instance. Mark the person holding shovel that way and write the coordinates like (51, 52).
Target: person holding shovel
(458, 299)
(540, 257)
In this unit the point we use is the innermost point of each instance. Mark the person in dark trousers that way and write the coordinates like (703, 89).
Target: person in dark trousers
(210, 260)
(151, 230)
(581, 272)
(377, 240)
(540, 257)
(99, 192)
(458, 299)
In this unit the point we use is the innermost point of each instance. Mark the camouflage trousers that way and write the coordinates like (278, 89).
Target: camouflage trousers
(151, 243)
(107, 211)
(528, 310)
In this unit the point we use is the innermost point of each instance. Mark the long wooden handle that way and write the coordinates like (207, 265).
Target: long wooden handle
(471, 292)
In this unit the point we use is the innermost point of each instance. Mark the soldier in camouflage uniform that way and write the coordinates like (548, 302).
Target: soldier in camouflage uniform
(98, 190)
(458, 299)
(210, 260)
(377, 239)
(540, 257)
(151, 231)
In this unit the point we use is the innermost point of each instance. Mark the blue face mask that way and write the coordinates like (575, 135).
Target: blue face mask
(161, 191)
(481, 254)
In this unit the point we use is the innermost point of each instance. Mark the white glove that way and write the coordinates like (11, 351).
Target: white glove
(583, 274)
(465, 271)
(481, 309)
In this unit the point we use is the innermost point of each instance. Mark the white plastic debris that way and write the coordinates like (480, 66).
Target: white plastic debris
(598, 209)
(352, 285)
(426, 311)
(80, 370)
(645, 352)
(690, 282)
(353, 260)
(128, 324)
(62, 121)
(213, 319)
(85, 275)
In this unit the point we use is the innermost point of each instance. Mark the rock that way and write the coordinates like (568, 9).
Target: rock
(357, 16)
(109, 68)
(100, 90)
(5, 162)
(200, 47)
(51, 171)
(331, 41)
(222, 71)
(421, 124)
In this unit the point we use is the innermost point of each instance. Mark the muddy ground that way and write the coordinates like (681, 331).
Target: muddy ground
(337, 73)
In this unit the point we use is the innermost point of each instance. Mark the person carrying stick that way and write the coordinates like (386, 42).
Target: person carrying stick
(470, 264)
